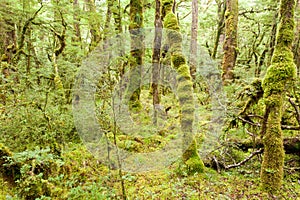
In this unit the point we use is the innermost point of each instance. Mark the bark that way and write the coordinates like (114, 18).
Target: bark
(156, 58)
(272, 38)
(230, 44)
(76, 25)
(190, 155)
(94, 24)
(194, 40)
(221, 25)
(296, 47)
(279, 77)
(116, 10)
(137, 52)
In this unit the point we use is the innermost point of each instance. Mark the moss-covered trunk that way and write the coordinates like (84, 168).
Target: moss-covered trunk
(230, 44)
(77, 37)
(278, 78)
(156, 58)
(190, 156)
(137, 51)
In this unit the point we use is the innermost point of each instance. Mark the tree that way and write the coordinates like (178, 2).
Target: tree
(190, 155)
(137, 51)
(156, 58)
(94, 23)
(230, 44)
(278, 79)
(194, 35)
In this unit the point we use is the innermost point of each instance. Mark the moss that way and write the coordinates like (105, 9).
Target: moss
(183, 70)
(280, 75)
(171, 22)
(190, 156)
(185, 87)
(8, 172)
(178, 60)
(193, 161)
(137, 52)
(230, 44)
(167, 7)
(272, 166)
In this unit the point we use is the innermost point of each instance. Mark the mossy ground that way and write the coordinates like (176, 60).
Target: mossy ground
(83, 177)
(87, 179)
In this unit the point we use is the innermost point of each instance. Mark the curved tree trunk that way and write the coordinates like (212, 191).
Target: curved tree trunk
(279, 76)
(230, 44)
(190, 155)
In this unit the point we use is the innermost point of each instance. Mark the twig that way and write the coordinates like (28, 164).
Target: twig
(249, 122)
(296, 109)
(283, 127)
(245, 160)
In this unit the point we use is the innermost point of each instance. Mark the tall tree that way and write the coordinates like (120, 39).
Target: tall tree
(76, 9)
(230, 44)
(221, 24)
(94, 23)
(296, 46)
(194, 39)
(156, 58)
(279, 77)
(137, 51)
(190, 155)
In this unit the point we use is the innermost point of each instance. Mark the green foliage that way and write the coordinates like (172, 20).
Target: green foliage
(36, 89)
(32, 171)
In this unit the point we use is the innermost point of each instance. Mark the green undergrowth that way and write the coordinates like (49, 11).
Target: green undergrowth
(78, 175)
(74, 173)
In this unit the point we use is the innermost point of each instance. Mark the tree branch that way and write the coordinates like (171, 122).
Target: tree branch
(259, 151)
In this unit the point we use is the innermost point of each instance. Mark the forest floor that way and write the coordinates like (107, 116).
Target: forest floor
(87, 179)
(77, 174)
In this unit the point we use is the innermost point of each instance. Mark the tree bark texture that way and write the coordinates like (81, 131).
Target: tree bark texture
(278, 79)
(230, 44)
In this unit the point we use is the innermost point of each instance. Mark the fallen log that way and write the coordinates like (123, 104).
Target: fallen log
(291, 145)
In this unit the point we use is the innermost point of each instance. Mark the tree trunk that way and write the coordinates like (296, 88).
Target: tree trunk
(77, 38)
(230, 44)
(94, 24)
(156, 59)
(279, 76)
(296, 47)
(221, 11)
(137, 52)
(194, 40)
(116, 10)
(190, 155)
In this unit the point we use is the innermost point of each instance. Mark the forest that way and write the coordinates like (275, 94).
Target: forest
(140, 99)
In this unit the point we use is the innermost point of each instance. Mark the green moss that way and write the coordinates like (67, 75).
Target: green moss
(185, 87)
(193, 161)
(137, 52)
(190, 157)
(185, 98)
(171, 22)
(178, 60)
(280, 75)
(167, 7)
